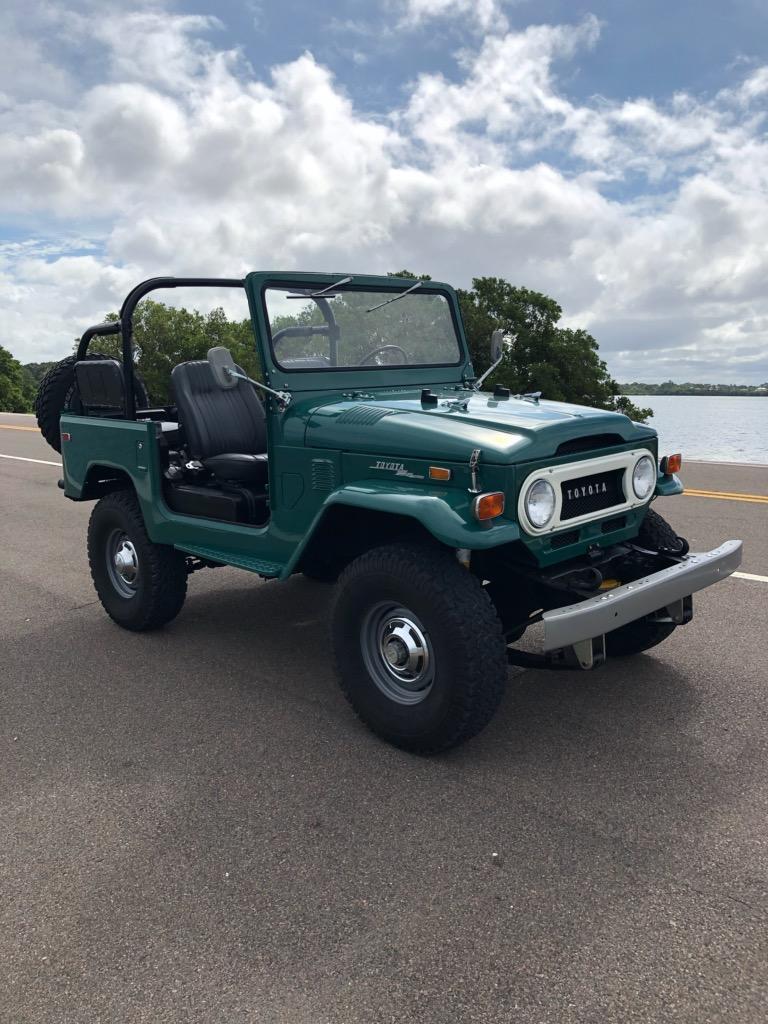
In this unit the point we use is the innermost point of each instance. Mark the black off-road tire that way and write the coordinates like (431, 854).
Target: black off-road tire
(161, 580)
(657, 534)
(463, 636)
(636, 637)
(58, 393)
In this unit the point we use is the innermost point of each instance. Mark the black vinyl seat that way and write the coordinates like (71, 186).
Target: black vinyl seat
(101, 385)
(226, 428)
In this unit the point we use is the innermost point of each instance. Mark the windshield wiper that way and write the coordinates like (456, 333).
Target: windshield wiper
(323, 293)
(396, 297)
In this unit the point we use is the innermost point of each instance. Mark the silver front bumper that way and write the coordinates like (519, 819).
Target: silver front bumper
(596, 616)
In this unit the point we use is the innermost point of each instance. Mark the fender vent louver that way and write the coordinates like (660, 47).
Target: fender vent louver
(364, 415)
(323, 475)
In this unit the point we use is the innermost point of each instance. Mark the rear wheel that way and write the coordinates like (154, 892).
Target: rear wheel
(419, 648)
(636, 637)
(141, 585)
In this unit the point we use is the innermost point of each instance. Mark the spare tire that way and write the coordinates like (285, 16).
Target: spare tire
(57, 393)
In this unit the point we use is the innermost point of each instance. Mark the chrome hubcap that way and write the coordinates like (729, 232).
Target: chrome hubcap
(122, 563)
(397, 653)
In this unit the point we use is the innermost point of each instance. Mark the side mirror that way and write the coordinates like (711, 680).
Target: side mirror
(222, 367)
(497, 345)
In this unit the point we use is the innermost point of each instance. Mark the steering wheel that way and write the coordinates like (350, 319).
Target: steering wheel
(383, 348)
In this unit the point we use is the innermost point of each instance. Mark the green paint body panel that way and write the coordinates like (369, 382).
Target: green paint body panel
(361, 438)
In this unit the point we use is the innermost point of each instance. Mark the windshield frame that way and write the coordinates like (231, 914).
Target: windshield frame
(385, 287)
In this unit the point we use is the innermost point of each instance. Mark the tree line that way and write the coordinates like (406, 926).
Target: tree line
(563, 363)
(668, 387)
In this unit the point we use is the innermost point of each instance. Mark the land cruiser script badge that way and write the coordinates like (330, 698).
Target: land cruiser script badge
(582, 492)
(397, 468)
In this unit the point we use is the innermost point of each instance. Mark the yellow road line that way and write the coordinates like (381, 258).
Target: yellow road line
(7, 426)
(759, 499)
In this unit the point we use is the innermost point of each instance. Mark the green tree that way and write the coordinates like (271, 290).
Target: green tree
(562, 363)
(16, 389)
(164, 336)
(36, 371)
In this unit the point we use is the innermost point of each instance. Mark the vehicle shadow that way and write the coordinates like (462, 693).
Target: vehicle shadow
(287, 625)
(640, 705)
(623, 736)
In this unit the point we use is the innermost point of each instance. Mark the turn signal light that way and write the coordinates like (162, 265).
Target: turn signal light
(439, 473)
(488, 506)
(671, 464)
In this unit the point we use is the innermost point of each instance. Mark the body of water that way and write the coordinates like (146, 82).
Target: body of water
(703, 427)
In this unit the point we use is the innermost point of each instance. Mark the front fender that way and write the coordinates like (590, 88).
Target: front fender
(667, 485)
(444, 516)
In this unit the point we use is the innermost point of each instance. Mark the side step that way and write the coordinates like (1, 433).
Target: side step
(239, 561)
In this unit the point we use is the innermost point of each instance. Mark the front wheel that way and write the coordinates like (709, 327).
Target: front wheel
(141, 585)
(419, 647)
(636, 637)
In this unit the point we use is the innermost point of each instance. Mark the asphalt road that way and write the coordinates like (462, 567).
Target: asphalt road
(195, 827)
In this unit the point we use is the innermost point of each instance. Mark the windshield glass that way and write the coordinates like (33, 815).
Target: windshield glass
(348, 327)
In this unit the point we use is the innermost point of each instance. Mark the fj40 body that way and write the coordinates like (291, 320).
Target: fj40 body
(452, 519)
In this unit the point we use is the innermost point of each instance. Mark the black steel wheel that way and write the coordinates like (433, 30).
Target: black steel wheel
(141, 585)
(418, 646)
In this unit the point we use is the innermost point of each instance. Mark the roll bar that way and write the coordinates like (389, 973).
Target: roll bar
(124, 325)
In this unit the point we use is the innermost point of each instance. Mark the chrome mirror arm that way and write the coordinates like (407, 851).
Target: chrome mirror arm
(283, 397)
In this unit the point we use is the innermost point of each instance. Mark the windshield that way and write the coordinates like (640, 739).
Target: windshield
(348, 327)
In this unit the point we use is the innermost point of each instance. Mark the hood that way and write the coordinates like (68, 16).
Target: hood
(511, 429)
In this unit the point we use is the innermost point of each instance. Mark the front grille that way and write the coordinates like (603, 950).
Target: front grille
(588, 494)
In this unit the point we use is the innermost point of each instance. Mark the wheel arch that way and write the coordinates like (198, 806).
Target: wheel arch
(390, 515)
(102, 478)
(345, 531)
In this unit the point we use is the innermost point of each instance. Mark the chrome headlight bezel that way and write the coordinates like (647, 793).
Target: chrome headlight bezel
(546, 487)
(647, 477)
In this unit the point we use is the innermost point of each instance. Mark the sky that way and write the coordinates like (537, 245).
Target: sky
(611, 154)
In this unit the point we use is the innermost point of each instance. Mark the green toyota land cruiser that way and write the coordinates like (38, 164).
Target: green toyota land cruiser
(451, 518)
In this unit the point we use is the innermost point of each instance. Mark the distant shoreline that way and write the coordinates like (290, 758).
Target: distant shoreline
(680, 391)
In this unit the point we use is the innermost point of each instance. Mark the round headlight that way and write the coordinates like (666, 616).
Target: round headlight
(644, 477)
(540, 503)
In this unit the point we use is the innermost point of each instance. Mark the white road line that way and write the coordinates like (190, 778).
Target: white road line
(714, 462)
(20, 458)
(750, 576)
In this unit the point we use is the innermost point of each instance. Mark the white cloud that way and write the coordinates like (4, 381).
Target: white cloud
(486, 14)
(647, 221)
